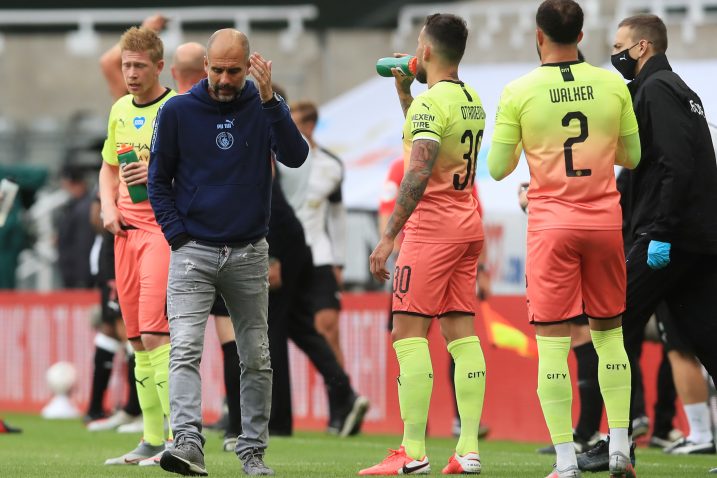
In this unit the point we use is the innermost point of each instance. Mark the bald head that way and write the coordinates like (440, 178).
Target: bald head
(188, 65)
(189, 56)
(228, 43)
(227, 64)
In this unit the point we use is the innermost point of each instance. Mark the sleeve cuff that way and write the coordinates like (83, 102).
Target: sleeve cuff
(179, 240)
(271, 103)
(276, 110)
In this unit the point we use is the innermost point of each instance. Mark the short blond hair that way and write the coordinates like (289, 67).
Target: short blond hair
(143, 40)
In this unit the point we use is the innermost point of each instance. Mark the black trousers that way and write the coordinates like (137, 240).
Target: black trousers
(291, 316)
(688, 285)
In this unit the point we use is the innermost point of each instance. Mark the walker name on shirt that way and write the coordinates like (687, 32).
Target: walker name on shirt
(576, 93)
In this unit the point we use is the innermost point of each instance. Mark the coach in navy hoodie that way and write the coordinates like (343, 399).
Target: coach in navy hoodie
(210, 188)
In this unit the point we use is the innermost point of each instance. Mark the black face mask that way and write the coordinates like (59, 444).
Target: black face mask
(624, 63)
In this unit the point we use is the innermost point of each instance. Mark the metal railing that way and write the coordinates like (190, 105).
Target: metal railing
(85, 41)
(688, 13)
(494, 16)
(518, 17)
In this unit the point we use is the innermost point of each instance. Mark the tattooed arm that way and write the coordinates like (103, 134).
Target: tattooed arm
(405, 103)
(423, 156)
(403, 88)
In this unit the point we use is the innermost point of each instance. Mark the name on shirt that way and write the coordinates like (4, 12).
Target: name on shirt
(576, 93)
(472, 112)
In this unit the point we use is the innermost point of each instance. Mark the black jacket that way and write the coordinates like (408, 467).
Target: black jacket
(672, 194)
(286, 236)
(75, 238)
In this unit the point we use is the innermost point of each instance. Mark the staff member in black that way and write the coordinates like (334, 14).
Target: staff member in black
(672, 201)
(291, 316)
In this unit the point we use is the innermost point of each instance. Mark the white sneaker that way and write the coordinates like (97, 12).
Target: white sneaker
(110, 423)
(640, 426)
(143, 451)
(685, 446)
(154, 461)
(664, 442)
(468, 464)
(230, 444)
(135, 426)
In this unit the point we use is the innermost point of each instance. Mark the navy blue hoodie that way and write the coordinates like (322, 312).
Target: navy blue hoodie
(210, 164)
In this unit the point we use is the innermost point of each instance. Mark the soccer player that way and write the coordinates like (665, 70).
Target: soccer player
(435, 273)
(575, 122)
(388, 201)
(141, 253)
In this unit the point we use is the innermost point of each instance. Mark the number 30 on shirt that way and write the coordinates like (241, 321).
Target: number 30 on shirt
(471, 156)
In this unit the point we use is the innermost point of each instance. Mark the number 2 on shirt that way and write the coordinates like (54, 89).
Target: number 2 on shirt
(568, 145)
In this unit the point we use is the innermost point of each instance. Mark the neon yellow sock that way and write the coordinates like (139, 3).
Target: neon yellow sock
(554, 388)
(152, 415)
(613, 375)
(160, 363)
(470, 389)
(415, 384)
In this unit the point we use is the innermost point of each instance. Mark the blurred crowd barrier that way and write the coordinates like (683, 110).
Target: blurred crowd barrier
(41, 329)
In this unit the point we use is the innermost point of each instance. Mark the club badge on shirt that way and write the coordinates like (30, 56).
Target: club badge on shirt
(225, 140)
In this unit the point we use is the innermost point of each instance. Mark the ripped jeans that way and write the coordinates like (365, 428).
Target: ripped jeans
(196, 273)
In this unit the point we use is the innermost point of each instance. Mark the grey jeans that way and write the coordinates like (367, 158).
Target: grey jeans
(196, 273)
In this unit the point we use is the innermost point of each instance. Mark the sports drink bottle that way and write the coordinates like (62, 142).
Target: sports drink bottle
(407, 64)
(126, 155)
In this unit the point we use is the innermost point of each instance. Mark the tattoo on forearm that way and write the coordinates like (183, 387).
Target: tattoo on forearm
(413, 185)
(405, 103)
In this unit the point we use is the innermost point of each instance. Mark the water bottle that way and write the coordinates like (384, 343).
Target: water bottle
(407, 64)
(126, 155)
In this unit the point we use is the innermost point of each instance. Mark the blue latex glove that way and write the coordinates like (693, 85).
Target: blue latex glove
(658, 255)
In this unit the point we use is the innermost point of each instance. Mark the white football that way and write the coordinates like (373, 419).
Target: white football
(61, 377)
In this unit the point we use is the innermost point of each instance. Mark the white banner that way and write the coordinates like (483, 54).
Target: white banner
(363, 126)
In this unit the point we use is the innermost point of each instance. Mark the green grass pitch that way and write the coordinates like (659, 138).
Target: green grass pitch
(64, 449)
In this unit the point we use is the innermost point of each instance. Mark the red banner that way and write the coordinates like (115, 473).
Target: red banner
(41, 329)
